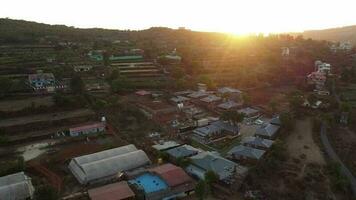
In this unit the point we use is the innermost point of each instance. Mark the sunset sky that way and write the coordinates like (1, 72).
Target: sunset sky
(232, 16)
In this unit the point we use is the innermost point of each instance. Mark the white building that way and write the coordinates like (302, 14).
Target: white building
(16, 187)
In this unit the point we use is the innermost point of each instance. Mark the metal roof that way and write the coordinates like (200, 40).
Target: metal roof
(268, 130)
(258, 142)
(245, 151)
(183, 151)
(105, 164)
(207, 161)
(16, 186)
(114, 191)
(173, 175)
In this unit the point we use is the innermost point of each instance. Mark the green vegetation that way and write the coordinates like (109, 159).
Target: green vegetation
(339, 181)
(233, 117)
(77, 85)
(13, 166)
(201, 190)
(45, 192)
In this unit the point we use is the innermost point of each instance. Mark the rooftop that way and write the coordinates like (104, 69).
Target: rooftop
(88, 126)
(165, 145)
(114, 191)
(224, 90)
(224, 168)
(257, 141)
(149, 183)
(248, 111)
(16, 186)
(268, 130)
(245, 151)
(228, 105)
(210, 98)
(183, 151)
(172, 175)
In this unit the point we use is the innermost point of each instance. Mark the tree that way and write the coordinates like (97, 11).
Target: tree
(233, 117)
(114, 74)
(287, 121)
(295, 100)
(45, 192)
(273, 105)
(345, 107)
(200, 190)
(5, 84)
(211, 177)
(77, 85)
(106, 58)
(246, 98)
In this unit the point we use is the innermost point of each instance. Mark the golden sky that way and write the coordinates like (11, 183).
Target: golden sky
(232, 16)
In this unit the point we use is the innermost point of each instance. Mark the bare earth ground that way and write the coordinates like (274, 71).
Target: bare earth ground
(45, 117)
(16, 105)
(300, 144)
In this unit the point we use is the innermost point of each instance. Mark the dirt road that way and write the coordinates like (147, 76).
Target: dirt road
(301, 145)
(45, 117)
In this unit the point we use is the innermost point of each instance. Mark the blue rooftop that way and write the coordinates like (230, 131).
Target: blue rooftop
(150, 183)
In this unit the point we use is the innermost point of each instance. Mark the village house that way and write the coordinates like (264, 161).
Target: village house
(42, 81)
(118, 191)
(210, 99)
(217, 129)
(229, 105)
(246, 153)
(87, 129)
(230, 93)
(165, 145)
(226, 170)
(88, 169)
(16, 186)
(179, 99)
(257, 142)
(82, 68)
(267, 131)
(322, 67)
(166, 181)
(183, 151)
(249, 112)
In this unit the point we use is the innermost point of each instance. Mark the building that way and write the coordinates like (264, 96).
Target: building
(106, 165)
(115, 191)
(42, 81)
(179, 99)
(87, 129)
(226, 170)
(163, 182)
(16, 187)
(217, 129)
(138, 70)
(165, 145)
(322, 67)
(276, 121)
(198, 94)
(257, 142)
(82, 68)
(285, 51)
(246, 153)
(249, 112)
(210, 99)
(231, 93)
(183, 151)
(228, 105)
(268, 131)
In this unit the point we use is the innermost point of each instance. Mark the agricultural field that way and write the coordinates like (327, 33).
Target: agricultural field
(19, 104)
(348, 94)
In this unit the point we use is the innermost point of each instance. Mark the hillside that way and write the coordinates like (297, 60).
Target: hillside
(347, 33)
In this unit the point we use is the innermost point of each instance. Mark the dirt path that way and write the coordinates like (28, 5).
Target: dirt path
(45, 117)
(300, 144)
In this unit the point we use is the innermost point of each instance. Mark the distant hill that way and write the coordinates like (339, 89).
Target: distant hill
(342, 34)
(21, 31)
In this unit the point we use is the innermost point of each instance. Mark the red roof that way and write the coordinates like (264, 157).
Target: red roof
(173, 175)
(115, 191)
(88, 126)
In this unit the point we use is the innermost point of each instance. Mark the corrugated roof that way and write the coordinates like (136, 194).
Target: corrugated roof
(268, 130)
(244, 151)
(88, 127)
(173, 175)
(115, 191)
(16, 186)
(257, 141)
(102, 165)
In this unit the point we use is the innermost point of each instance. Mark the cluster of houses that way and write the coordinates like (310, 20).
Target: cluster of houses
(342, 46)
(319, 76)
(253, 148)
(201, 162)
(122, 173)
(44, 82)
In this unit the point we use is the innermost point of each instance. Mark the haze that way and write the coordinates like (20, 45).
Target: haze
(204, 15)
